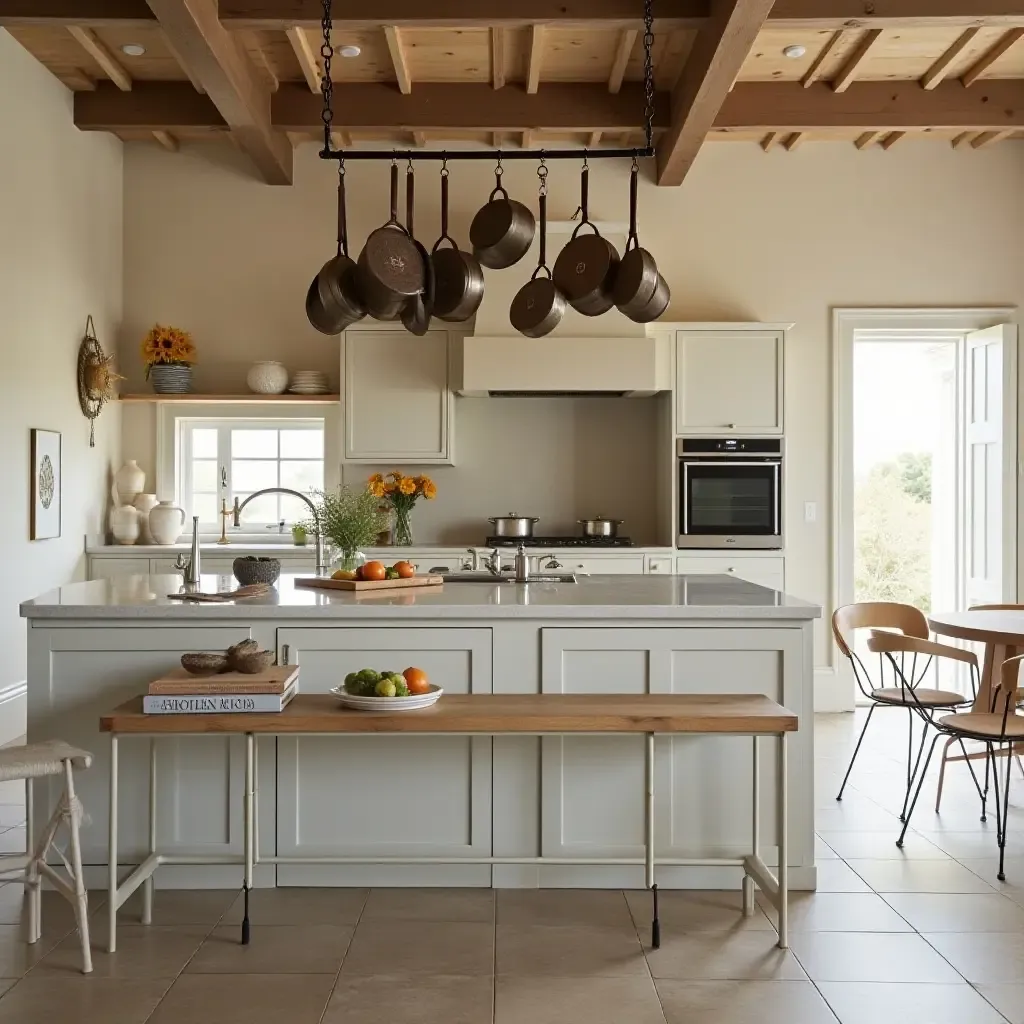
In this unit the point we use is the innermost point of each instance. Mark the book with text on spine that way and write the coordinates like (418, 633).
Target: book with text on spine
(216, 703)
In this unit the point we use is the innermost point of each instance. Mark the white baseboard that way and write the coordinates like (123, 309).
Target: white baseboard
(831, 692)
(13, 712)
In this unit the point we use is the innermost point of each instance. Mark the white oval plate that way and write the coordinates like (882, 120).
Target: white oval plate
(412, 703)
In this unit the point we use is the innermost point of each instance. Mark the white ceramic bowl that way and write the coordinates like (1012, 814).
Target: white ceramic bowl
(412, 703)
(268, 378)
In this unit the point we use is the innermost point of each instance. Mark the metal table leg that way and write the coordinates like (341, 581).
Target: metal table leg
(649, 839)
(147, 885)
(247, 809)
(782, 828)
(112, 851)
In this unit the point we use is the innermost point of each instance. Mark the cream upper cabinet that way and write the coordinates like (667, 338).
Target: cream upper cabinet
(397, 396)
(729, 382)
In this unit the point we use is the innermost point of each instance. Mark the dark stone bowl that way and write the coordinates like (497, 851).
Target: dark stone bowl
(249, 570)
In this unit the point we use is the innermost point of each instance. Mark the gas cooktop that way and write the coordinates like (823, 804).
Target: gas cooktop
(559, 542)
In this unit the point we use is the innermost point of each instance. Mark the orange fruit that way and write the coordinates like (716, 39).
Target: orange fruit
(373, 571)
(405, 570)
(417, 681)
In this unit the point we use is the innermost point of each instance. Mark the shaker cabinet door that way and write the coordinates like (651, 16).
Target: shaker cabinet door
(729, 382)
(398, 399)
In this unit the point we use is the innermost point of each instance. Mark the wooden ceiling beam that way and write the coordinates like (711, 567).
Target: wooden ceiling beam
(688, 14)
(937, 72)
(594, 140)
(498, 57)
(397, 50)
(623, 49)
(305, 56)
(987, 59)
(771, 140)
(535, 58)
(212, 54)
(814, 71)
(719, 51)
(848, 72)
(96, 48)
(987, 138)
(891, 139)
(794, 140)
(866, 139)
(964, 139)
(167, 140)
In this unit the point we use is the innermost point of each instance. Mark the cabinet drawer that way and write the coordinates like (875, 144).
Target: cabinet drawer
(605, 565)
(105, 568)
(767, 572)
(660, 565)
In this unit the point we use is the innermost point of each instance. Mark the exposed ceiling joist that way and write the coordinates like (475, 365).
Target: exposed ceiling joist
(167, 140)
(498, 57)
(771, 140)
(624, 47)
(866, 139)
(397, 50)
(848, 72)
(594, 140)
(891, 139)
(937, 72)
(964, 139)
(196, 84)
(814, 71)
(282, 14)
(211, 53)
(535, 58)
(707, 77)
(793, 141)
(980, 66)
(306, 57)
(987, 138)
(94, 46)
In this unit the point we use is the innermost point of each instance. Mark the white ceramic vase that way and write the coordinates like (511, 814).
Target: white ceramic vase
(166, 521)
(124, 524)
(145, 503)
(269, 378)
(128, 483)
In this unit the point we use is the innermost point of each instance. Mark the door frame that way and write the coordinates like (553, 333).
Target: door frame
(834, 689)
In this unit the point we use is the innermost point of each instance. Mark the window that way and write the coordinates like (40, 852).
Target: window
(228, 459)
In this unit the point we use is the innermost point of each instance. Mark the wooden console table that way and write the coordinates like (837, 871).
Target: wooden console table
(471, 714)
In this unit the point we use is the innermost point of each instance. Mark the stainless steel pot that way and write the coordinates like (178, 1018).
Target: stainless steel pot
(513, 525)
(600, 527)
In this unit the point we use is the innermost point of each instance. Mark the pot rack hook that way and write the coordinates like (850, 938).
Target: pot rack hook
(586, 166)
(444, 165)
(542, 174)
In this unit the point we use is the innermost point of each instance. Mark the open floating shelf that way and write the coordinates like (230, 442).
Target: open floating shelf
(236, 399)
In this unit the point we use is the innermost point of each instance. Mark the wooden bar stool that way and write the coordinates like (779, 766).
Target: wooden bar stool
(32, 761)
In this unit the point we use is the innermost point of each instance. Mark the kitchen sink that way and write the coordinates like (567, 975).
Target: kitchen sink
(486, 577)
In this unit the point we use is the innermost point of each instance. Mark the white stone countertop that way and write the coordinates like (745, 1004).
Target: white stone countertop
(132, 598)
(393, 554)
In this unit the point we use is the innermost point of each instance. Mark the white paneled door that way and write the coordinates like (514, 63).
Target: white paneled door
(990, 465)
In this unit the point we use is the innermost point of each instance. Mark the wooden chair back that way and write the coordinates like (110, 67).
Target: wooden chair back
(876, 615)
(1007, 693)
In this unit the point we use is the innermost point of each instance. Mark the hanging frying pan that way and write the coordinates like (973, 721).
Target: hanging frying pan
(336, 282)
(502, 230)
(458, 279)
(538, 306)
(417, 311)
(640, 290)
(585, 269)
(391, 268)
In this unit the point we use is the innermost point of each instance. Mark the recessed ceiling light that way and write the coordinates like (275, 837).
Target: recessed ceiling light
(350, 50)
(133, 49)
(794, 52)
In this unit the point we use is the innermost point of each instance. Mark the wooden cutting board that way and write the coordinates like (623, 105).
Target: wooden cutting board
(329, 584)
(273, 679)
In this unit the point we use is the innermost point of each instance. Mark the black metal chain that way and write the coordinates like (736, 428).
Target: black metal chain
(648, 73)
(327, 53)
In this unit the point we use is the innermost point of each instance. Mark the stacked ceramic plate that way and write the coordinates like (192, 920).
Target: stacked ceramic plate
(308, 382)
(411, 703)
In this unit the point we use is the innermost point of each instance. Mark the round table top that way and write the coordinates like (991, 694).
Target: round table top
(996, 626)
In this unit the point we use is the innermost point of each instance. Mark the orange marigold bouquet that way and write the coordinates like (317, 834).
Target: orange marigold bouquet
(167, 346)
(401, 493)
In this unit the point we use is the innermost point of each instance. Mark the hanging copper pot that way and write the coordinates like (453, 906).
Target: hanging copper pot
(458, 278)
(538, 306)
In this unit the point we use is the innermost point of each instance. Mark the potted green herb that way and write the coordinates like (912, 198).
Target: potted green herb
(350, 519)
(299, 535)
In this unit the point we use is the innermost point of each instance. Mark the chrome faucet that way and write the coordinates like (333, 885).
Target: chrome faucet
(190, 569)
(475, 556)
(493, 562)
(318, 533)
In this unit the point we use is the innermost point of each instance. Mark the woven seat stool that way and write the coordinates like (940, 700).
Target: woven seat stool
(33, 761)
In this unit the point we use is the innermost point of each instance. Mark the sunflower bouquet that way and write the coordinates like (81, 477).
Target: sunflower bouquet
(401, 493)
(167, 346)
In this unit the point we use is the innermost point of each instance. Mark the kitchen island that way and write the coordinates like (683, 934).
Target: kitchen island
(94, 645)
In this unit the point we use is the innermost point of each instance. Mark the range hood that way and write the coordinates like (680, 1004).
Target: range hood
(603, 355)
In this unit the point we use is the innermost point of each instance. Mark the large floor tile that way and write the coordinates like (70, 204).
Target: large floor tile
(982, 957)
(604, 908)
(429, 905)
(289, 905)
(919, 876)
(421, 947)
(743, 1002)
(740, 956)
(855, 814)
(274, 949)
(838, 876)
(243, 999)
(83, 1000)
(442, 999)
(958, 912)
(695, 911)
(822, 851)
(1008, 999)
(872, 1003)
(179, 906)
(987, 869)
(865, 956)
(568, 951)
(838, 912)
(58, 915)
(881, 846)
(143, 951)
(538, 1000)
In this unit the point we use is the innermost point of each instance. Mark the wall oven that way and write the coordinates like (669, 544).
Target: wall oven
(730, 492)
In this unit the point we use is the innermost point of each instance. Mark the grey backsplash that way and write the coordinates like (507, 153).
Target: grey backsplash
(560, 459)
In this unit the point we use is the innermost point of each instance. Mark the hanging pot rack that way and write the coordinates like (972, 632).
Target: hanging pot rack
(327, 116)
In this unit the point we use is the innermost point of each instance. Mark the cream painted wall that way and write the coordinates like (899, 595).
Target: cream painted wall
(749, 236)
(60, 260)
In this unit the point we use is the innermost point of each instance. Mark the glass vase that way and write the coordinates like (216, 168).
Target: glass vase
(348, 561)
(402, 534)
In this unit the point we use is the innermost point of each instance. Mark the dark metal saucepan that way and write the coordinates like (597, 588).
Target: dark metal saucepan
(538, 306)
(640, 292)
(418, 310)
(458, 279)
(502, 230)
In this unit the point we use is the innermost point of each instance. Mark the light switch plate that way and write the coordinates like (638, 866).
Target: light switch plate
(810, 511)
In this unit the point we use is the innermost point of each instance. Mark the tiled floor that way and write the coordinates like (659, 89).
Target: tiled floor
(926, 935)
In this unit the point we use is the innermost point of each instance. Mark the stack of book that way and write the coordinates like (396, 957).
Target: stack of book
(179, 693)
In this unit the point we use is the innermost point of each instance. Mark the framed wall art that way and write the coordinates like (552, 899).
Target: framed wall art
(45, 486)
